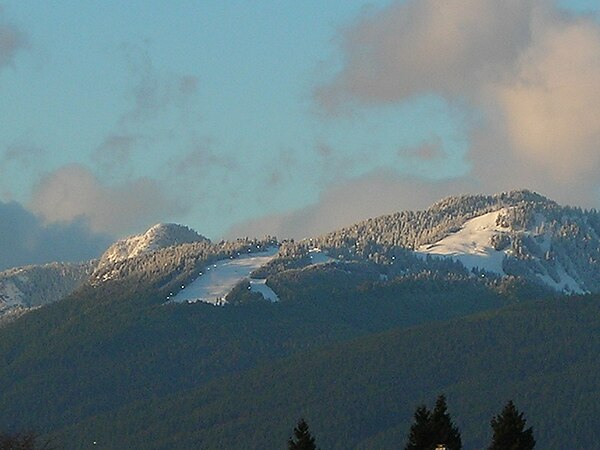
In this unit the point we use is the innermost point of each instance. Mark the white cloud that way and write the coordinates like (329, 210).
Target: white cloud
(552, 109)
(416, 47)
(73, 192)
(529, 70)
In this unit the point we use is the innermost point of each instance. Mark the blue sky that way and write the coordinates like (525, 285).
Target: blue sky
(239, 116)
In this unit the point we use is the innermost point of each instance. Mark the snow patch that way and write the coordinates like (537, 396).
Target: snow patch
(318, 256)
(565, 283)
(472, 246)
(260, 286)
(10, 294)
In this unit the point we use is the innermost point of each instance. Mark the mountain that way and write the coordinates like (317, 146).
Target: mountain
(517, 233)
(361, 394)
(29, 287)
(143, 331)
(109, 345)
(159, 236)
(34, 286)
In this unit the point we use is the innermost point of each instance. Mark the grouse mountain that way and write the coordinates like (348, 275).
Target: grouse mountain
(168, 313)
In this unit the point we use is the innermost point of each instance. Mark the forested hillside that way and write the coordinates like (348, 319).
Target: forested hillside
(118, 343)
(175, 375)
(361, 394)
(538, 239)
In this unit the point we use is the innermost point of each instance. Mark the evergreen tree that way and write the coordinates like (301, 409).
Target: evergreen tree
(431, 429)
(420, 436)
(509, 430)
(302, 439)
(444, 430)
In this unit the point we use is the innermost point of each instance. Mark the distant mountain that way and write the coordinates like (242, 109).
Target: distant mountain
(33, 286)
(140, 325)
(519, 233)
(29, 287)
(159, 236)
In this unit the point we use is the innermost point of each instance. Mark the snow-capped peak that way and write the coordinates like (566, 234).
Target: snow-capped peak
(159, 236)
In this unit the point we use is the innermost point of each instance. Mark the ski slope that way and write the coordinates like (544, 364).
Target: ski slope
(471, 245)
(260, 286)
(213, 285)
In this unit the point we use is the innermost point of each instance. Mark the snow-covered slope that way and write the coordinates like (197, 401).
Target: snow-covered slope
(33, 286)
(472, 244)
(318, 256)
(518, 233)
(213, 285)
(260, 287)
(159, 236)
(482, 243)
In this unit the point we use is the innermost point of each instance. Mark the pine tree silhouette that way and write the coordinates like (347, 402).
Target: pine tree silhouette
(444, 430)
(431, 429)
(509, 430)
(302, 439)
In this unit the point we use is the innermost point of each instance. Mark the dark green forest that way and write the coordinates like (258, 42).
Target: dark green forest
(102, 348)
(362, 393)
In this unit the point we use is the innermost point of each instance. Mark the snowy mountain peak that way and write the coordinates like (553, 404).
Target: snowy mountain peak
(159, 236)
(518, 233)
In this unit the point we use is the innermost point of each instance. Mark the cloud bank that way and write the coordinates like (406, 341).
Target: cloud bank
(418, 47)
(530, 70)
(26, 239)
(73, 192)
(526, 73)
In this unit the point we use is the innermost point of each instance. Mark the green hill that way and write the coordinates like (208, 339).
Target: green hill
(109, 346)
(361, 394)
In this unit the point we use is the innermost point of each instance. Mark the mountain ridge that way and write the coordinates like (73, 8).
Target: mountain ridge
(23, 288)
(530, 236)
(119, 337)
(541, 239)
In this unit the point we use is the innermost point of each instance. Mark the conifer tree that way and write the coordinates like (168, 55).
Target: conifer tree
(444, 430)
(431, 429)
(302, 439)
(420, 436)
(509, 430)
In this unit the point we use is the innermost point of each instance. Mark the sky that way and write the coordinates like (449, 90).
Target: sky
(281, 117)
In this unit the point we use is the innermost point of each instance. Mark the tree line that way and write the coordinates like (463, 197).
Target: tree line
(431, 430)
(435, 430)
